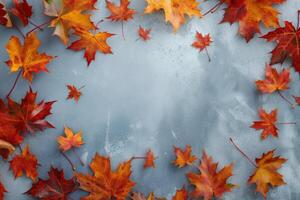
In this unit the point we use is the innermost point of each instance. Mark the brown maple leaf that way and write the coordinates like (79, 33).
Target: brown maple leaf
(91, 43)
(181, 194)
(184, 157)
(26, 57)
(144, 33)
(267, 123)
(22, 10)
(56, 187)
(274, 81)
(250, 13)
(70, 141)
(288, 44)
(74, 93)
(175, 10)
(69, 14)
(266, 174)
(210, 183)
(27, 163)
(29, 116)
(104, 183)
(4, 18)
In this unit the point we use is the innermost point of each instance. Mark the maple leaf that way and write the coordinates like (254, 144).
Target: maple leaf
(266, 172)
(274, 81)
(54, 188)
(250, 13)
(184, 157)
(26, 56)
(144, 33)
(297, 99)
(288, 44)
(149, 160)
(140, 196)
(71, 140)
(26, 162)
(4, 18)
(209, 182)
(74, 93)
(181, 194)
(175, 10)
(202, 41)
(91, 43)
(104, 183)
(120, 13)
(69, 14)
(29, 116)
(22, 10)
(267, 123)
(2, 191)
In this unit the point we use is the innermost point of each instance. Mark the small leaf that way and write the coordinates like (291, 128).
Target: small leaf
(149, 160)
(184, 157)
(70, 141)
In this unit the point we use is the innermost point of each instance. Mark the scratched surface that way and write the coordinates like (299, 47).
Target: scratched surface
(160, 93)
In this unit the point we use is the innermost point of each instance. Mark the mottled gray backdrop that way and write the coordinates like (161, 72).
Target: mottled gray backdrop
(161, 93)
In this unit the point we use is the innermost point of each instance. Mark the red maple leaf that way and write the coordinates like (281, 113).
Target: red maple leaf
(288, 44)
(202, 42)
(22, 10)
(144, 33)
(54, 188)
(2, 191)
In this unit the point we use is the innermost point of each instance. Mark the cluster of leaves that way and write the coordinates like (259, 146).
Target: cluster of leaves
(72, 18)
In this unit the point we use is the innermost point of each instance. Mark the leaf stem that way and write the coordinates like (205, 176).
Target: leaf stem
(287, 123)
(298, 19)
(35, 25)
(69, 161)
(78, 157)
(138, 158)
(14, 85)
(39, 26)
(207, 54)
(123, 30)
(286, 99)
(245, 155)
(213, 9)
(19, 30)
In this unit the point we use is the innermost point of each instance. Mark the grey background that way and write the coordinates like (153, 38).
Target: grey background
(158, 94)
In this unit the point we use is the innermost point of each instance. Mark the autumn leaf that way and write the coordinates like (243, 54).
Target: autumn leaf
(210, 183)
(29, 116)
(288, 44)
(140, 196)
(181, 194)
(144, 33)
(175, 10)
(56, 187)
(4, 18)
(202, 42)
(266, 174)
(22, 10)
(104, 183)
(71, 140)
(297, 99)
(2, 191)
(26, 57)
(27, 163)
(69, 14)
(267, 123)
(121, 12)
(74, 93)
(91, 43)
(184, 157)
(274, 81)
(149, 160)
(250, 13)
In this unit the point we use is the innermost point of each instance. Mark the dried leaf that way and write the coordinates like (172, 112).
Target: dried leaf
(149, 160)
(202, 41)
(70, 141)
(22, 10)
(4, 18)
(121, 12)
(74, 93)
(181, 194)
(144, 33)
(184, 157)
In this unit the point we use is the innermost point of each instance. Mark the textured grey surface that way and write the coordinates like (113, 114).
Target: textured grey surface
(160, 93)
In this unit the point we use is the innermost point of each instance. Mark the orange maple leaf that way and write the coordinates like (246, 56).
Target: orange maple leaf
(140, 196)
(144, 33)
(104, 183)
(249, 14)
(120, 13)
(175, 10)
(149, 160)
(181, 194)
(274, 81)
(27, 163)
(91, 43)
(267, 123)
(70, 141)
(69, 14)
(74, 93)
(184, 157)
(209, 182)
(266, 174)
(26, 56)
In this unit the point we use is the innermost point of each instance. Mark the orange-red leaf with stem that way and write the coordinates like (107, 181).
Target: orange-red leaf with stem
(74, 93)
(149, 160)
(144, 33)
(27, 163)
(184, 157)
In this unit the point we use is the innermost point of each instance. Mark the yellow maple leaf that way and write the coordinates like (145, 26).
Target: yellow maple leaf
(175, 10)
